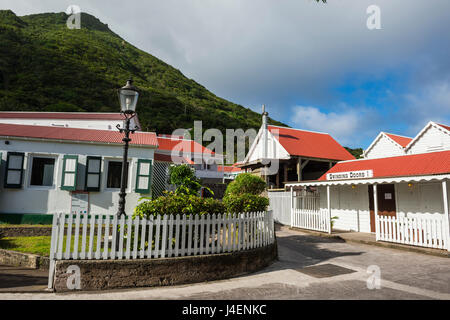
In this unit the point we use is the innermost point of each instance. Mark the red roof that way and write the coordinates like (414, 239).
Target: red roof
(444, 126)
(409, 165)
(403, 141)
(310, 144)
(61, 115)
(182, 146)
(75, 134)
(228, 169)
(172, 159)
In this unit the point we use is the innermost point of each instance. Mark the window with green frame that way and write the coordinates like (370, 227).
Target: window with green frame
(14, 170)
(144, 176)
(93, 174)
(69, 174)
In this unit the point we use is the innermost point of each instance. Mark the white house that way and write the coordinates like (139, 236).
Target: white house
(48, 169)
(87, 120)
(295, 154)
(387, 145)
(403, 198)
(433, 137)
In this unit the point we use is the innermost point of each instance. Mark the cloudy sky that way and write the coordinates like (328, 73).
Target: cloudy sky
(315, 66)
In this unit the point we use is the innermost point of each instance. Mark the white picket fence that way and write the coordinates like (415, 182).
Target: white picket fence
(280, 205)
(424, 230)
(317, 220)
(109, 238)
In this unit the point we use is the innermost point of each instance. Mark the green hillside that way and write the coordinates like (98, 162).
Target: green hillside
(44, 66)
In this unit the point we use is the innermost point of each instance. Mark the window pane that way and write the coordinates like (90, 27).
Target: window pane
(93, 180)
(15, 162)
(42, 172)
(114, 174)
(94, 165)
(13, 177)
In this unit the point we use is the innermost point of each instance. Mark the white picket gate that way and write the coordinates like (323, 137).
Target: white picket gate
(109, 238)
(280, 205)
(317, 220)
(424, 230)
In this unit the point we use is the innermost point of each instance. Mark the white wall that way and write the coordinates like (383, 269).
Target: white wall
(423, 198)
(384, 147)
(433, 139)
(48, 200)
(274, 149)
(351, 206)
(348, 203)
(84, 124)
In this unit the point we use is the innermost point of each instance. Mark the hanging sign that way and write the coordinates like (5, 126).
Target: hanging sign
(364, 174)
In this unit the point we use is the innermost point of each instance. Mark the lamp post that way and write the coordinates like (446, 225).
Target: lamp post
(128, 97)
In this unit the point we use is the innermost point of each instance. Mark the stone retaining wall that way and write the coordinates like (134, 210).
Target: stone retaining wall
(26, 260)
(117, 274)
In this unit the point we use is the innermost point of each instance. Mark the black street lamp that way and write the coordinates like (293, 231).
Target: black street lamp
(128, 97)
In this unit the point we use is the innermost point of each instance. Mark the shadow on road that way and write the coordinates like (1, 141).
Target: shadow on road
(24, 279)
(300, 251)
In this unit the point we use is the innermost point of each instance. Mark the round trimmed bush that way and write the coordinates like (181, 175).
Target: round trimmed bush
(246, 183)
(245, 203)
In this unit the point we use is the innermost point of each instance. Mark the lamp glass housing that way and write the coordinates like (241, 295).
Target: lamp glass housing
(128, 97)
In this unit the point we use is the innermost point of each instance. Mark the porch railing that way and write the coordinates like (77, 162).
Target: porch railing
(317, 220)
(424, 230)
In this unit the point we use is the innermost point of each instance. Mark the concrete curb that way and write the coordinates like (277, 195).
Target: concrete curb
(26, 260)
(428, 251)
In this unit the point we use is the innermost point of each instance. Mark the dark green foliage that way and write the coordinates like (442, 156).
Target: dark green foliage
(183, 177)
(179, 204)
(357, 153)
(245, 203)
(246, 183)
(44, 66)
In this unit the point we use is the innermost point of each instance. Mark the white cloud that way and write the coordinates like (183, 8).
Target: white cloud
(347, 126)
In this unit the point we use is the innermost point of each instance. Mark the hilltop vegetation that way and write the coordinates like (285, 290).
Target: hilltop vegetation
(44, 66)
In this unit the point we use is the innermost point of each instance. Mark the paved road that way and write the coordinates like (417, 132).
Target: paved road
(404, 275)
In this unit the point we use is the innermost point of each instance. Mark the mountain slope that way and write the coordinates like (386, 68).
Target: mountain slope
(44, 66)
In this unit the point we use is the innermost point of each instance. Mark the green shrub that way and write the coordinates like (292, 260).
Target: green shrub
(245, 203)
(246, 183)
(183, 177)
(174, 204)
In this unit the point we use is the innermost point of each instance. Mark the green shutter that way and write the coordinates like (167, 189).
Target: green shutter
(69, 173)
(14, 170)
(93, 174)
(144, 176)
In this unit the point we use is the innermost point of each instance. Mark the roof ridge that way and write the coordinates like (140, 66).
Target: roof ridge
(68, 128)
(300, 130)
(398, 135)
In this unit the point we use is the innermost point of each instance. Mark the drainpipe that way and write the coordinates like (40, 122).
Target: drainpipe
(265, 140)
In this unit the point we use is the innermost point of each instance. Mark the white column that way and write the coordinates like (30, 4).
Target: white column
(375, 211)
(446, 211)
(329, 208)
